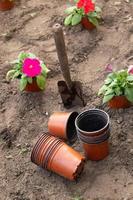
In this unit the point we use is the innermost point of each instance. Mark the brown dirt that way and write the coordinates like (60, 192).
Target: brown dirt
(23, 117)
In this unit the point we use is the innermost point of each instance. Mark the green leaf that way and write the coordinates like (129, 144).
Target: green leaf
(94, 21)
(108, 98)
(29, 80)
(22, 56)
(23, 83)
(76, 19)
(98, 9)
(102, 90)
(118, 91)
(15, 61)
(130, 78)
(68, 20)
(16, 74)
(92, 14)
(44, 67)
(129, 94)
(108, 81)
(70, 10)
(41, 82)
(109, 91)
(31, 55)
(10, 74)
(113, 84)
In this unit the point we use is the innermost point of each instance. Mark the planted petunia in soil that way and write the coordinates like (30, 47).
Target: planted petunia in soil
(6, 4)
(31, 72)
(84, 12)
(118, 88)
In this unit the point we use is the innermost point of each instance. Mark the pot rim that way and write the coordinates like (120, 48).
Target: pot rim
(35, 149)
(92, 132)
(53, 155)
(50, 152)
(45, 147)
(45, 150)
(67, 131)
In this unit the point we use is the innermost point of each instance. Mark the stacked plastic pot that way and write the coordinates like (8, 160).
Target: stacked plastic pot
(93, 131)
(52, 153)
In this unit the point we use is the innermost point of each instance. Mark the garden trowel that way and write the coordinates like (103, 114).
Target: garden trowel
(70, 91)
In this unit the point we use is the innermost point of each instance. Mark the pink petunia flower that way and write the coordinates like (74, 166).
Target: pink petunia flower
(130, 69)
(109, 68)
(31, 67)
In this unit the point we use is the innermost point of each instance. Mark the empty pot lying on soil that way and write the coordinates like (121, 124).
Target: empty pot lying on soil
(53, 154)
(62, 125)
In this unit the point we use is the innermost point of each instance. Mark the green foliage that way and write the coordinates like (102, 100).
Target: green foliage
(76, 19)
(16, 72)
(117, 84)
(77, 198)
(75, 15)
(41, 82)
(23, 83)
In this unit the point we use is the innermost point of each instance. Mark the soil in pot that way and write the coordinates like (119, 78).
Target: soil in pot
(119, 102)
(87, 24)
(6, 5)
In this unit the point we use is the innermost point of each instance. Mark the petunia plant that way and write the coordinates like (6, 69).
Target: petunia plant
(83, 8)
(28, 68)
(118, 83)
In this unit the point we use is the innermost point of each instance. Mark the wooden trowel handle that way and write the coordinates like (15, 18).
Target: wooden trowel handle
(62, 55)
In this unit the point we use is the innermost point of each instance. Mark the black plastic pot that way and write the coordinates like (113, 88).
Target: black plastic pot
(92, 122)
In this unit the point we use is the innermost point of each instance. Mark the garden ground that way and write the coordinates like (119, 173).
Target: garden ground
(23, 116)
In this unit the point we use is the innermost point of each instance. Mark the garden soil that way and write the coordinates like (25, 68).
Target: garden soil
(24, 116)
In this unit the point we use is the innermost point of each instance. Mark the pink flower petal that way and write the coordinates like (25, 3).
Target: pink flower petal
(109, 68)
(130, 69)
(31, 67)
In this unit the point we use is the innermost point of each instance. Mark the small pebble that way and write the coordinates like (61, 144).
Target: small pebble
(9, 157)
(131, 151)
(117, 3)
(129, 140)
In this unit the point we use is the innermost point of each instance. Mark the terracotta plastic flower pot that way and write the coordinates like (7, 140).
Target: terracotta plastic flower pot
(119, 102)
(67, 162)
(37, 148)
(62, 125)
(6, 5)
(53, 154)
(96, 152)
(87, 24)
(93, 130)
(92, 122)
(33, 87)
